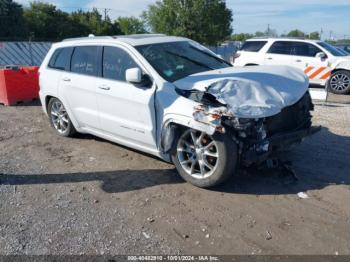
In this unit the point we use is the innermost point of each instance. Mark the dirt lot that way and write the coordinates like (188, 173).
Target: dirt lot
(89, 196)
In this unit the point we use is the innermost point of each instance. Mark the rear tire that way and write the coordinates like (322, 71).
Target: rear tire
(202, 160)
(59, 118)
(339, 82)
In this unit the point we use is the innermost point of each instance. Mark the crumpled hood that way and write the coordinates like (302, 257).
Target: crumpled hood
(251, 92)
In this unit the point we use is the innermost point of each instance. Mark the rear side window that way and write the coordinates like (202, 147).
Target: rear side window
(61, 58)
(85, 60)
(115, 63)
(281, 47)
(253, 46)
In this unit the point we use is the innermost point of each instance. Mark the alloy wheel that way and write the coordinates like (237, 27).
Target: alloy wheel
(59, 117)
(340, 82)
(198, 154)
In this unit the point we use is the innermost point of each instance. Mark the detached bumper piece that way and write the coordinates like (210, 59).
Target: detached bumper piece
(276, 143)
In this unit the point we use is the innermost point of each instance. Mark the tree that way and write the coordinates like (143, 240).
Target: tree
(11, 20)
(241, 37)
(94, 24)
(131, 25)
(206, 21)
(47, 22)
(296, 33)
(259, 34)
(314, 35)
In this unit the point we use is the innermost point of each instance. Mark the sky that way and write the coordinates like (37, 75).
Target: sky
(332, 16)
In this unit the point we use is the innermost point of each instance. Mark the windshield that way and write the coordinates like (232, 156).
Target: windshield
(342, 51)
(332, 49)
(176, 60)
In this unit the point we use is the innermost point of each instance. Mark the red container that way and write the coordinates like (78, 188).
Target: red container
(19, 85)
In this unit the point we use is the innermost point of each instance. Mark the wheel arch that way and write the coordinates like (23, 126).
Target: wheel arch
(175, 124)
(340, 69)
(70, 113)
(47, 101)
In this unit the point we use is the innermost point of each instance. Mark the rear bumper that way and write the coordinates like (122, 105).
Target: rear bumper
(276, 143)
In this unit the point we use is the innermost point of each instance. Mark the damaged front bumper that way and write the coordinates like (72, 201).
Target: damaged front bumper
(274, 144)
(259, 139)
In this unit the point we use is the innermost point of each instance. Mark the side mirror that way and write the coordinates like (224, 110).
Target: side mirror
(321, 55)
(134, 76)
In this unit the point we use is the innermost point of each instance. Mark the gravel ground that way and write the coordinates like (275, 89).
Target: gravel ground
(89, 196)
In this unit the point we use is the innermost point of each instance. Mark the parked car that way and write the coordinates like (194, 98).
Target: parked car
(323, 63)
(175, 99)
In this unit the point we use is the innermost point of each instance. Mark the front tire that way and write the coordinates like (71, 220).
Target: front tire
(59, 118)
(339, 82)
(203, 160)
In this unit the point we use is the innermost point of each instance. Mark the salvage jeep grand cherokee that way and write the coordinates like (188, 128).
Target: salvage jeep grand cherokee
(173, 98)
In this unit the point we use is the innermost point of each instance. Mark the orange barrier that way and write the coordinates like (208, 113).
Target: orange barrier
(19, 85)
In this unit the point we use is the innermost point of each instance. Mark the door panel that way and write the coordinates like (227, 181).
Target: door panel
(304, 58)
(78, 87)
(125, 110)
(79, 91)
(316, 69)
(278, 54)
(277, 59)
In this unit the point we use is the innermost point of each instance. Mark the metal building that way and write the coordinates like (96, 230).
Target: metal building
(23, 53)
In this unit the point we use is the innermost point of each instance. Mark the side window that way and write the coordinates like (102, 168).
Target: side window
(253, 46)
(115, 62)
(305, 49)
(61, 58)
(85, 60)
(281, 48)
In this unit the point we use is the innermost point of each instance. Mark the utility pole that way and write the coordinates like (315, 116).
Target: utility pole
(105, 11)
(321, 33)
(268, 30)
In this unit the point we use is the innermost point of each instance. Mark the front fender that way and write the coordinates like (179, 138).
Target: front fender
(345, 65)
(171, 124)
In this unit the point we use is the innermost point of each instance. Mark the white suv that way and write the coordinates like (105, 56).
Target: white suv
(175, 99)
(323, 63)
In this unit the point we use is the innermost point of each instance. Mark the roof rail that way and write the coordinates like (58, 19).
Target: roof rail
(141, 35)
(91, 36)
(279, 37)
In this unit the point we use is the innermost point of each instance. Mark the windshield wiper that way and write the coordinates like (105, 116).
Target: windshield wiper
(191, 60)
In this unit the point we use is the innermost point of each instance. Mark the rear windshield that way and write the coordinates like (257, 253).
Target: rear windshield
(253, 46)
